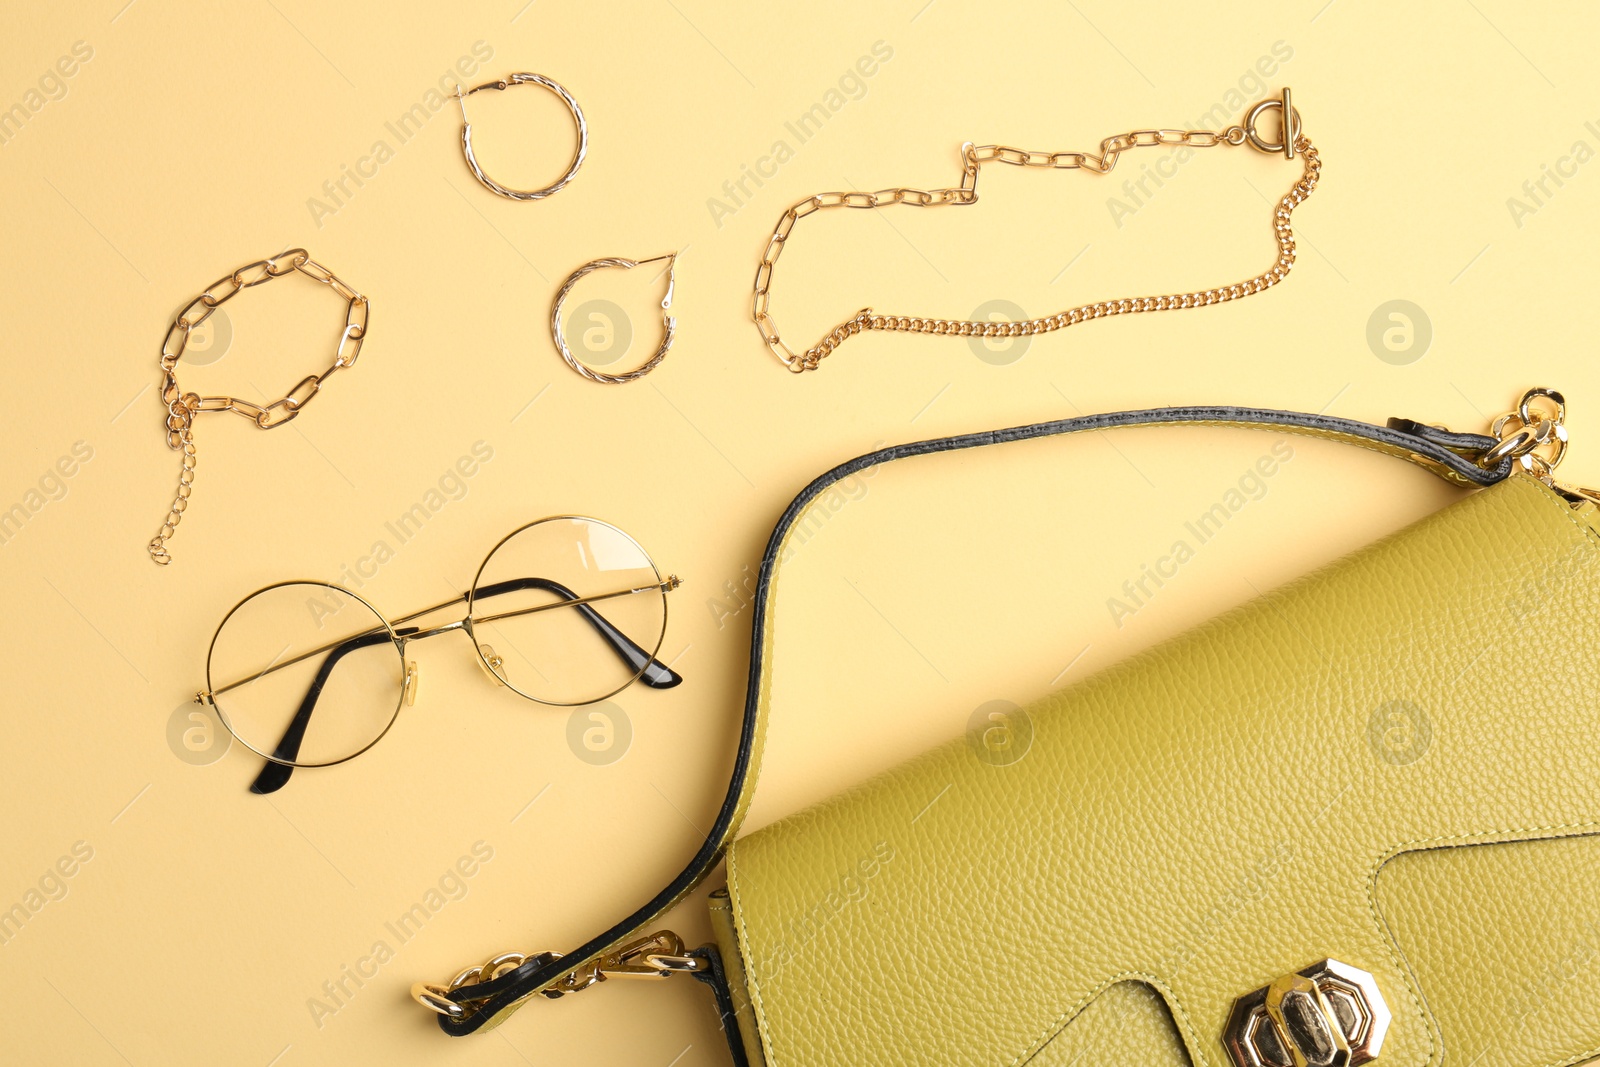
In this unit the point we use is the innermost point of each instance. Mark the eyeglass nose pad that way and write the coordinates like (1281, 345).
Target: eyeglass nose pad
(412, 676)
(492, 664)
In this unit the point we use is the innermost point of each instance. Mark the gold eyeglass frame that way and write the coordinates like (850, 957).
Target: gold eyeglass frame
(490, 663)
(524, 78)
(408, 673)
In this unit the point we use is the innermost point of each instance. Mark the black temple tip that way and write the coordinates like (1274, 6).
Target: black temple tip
(273, 777)
(658, 675)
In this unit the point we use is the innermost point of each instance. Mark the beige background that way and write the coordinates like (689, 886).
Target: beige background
(206, 921)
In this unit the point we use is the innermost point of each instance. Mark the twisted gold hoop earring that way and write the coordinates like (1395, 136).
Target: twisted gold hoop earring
(668, 323)
(506, 83)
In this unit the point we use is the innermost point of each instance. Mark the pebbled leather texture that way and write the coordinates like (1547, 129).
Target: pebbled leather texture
(1224, 809)
(1127, 1026)
(1506, 933)
(1449, 455)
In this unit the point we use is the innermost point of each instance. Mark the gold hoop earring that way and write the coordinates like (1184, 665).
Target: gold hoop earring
(668, 323)
(506, 83)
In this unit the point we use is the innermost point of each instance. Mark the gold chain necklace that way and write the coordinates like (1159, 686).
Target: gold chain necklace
(182, 407)
(1290, 142)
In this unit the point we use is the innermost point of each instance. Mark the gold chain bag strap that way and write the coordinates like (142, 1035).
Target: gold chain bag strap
(1530, 441)
(1290, 142)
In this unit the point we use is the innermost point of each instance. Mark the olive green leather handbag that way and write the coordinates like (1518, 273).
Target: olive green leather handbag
(1192, 865)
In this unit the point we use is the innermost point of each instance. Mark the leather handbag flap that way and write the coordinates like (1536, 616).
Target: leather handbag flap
(1208, 817)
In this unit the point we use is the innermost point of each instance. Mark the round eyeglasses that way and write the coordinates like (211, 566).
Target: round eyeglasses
(563, 611)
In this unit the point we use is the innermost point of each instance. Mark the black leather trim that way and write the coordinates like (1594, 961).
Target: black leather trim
(715, 977)
(1441, 451)
(1437, 434)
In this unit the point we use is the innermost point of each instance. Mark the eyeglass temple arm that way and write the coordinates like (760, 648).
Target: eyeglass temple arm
(654, 673)
(274, 776)
(279, 664)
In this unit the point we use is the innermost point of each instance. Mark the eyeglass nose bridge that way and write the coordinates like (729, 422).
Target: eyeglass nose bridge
(489, 661)
(413, 674)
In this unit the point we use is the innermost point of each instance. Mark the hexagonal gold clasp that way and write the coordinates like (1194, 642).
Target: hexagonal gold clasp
(1328, 1015)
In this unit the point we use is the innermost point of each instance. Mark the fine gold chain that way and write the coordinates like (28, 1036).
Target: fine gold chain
(182, 407)
(1290, 142)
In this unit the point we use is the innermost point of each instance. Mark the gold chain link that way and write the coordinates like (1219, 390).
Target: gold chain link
(182, 407)
(1533, 434)
(1290, 142)
(657, 955)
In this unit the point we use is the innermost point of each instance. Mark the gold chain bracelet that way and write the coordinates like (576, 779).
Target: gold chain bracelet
(1290, 142)
(182, 407)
